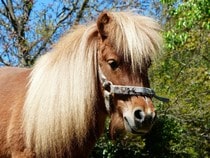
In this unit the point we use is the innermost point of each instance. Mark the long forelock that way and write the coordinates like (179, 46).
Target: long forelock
(137, 38)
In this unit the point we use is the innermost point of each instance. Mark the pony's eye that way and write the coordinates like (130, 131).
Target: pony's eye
(113, 64)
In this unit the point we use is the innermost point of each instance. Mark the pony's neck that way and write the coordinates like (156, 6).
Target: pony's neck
(93, 133)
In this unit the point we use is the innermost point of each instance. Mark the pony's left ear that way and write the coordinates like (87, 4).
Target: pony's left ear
(102, 24)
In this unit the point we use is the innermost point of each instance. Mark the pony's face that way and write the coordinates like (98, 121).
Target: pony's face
(135, 114)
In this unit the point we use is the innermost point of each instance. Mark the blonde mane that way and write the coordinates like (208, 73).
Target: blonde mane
(62, 92)
(60, 101)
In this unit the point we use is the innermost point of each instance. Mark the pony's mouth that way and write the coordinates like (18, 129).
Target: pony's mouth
(132, 129)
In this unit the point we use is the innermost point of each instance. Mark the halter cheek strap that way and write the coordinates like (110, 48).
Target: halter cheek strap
(106, 91)
(110, 90)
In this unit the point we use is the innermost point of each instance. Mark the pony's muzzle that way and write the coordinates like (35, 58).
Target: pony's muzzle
(139, 122)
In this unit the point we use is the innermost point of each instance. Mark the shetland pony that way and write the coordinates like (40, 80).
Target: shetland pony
(58, 108)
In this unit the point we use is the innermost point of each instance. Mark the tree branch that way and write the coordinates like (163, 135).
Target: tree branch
(11, 9)
(27, 7)
(81, 11)
(5, 63)
(10, 14)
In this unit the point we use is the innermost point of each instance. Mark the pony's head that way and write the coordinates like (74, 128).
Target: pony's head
(127, 44)
(108, 60)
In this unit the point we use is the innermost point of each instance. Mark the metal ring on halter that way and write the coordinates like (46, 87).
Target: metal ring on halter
(107, 95)
(107, 85)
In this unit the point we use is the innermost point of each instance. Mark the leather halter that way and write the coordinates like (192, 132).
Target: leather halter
(111, 89)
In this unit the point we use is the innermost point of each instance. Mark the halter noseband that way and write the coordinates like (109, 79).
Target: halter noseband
(110, 90)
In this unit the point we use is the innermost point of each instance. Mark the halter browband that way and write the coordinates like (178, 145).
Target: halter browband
(110, 90)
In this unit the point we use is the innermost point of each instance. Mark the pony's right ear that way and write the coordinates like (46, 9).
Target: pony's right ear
(102, 22)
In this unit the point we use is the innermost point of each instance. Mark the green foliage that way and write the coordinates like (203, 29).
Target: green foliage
(164, 138)
(124, 146)
(183, 75)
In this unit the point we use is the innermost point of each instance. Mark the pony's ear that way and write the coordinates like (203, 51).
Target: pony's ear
(102, 24)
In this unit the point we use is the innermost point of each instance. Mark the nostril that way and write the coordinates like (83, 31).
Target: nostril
(138, 114)
(148, 118)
